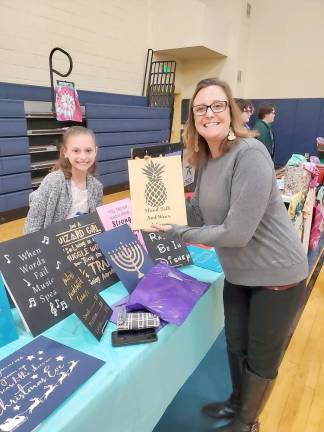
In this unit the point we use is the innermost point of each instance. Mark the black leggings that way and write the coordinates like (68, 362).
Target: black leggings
(257, 323)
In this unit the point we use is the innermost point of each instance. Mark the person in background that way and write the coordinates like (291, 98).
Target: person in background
(71, 189)
(246, 108)
(266, 116)
(238, 210)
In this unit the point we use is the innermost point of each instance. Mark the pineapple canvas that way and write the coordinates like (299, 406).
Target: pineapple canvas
(157, 193)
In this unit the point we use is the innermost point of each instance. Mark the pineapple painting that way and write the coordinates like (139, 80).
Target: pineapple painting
(155, 191)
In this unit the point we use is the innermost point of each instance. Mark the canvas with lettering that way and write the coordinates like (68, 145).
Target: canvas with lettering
(37, 378)
(126, 255)
(205, 257)
(166, 251)
(157, 192)
(118, 213)
(75, 237)
(24, 263)
(78, 294)
(8, 332)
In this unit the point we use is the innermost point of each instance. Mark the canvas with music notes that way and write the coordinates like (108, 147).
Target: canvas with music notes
(88, 305)
(33, 287)
(75, 237)
(126, 255)
(157, 191)
(38, 378)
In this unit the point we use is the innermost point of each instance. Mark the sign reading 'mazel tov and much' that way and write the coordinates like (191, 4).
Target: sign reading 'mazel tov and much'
(75, 237)
(24, 263)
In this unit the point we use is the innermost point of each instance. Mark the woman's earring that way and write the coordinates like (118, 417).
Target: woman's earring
(196, 147)
(231, 135)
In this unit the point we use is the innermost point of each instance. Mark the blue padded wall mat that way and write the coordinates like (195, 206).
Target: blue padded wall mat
(14, 182)
(114, 178)
(320, 127)
(129, 125)
(306, 125)
(118, 152)
(14, 146)
(124, 138)
(11, 108)
(111, 166)
(14, 164)
(39, 93)
(97, 111)
(14, 200)
(13, 127)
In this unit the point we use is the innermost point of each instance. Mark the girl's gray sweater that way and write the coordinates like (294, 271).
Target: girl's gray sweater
(52, 201)
(238, 209)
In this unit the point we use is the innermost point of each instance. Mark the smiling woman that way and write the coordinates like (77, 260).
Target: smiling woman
(237, 209)
(214, 123)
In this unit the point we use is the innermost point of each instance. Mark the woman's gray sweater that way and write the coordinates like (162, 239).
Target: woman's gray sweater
(238, 209)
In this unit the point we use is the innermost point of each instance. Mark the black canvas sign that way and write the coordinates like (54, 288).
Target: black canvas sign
(24, 263)
(75, 237)
(89, 306)
(163, 250)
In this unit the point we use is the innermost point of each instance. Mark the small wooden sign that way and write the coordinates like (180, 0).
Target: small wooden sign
(162, 250)
(89, 306)
(118, 213)
(75, 237)
(26, 268)
(156, 187)
(126, 255)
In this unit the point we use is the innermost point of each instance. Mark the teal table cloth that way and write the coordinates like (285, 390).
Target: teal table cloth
(137, 383)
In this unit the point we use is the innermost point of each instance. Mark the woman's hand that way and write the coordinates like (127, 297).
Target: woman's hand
(158, 228)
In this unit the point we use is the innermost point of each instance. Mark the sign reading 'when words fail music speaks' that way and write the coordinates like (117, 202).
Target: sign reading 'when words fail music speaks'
(37, 378)
(75, 237)
(25, 266)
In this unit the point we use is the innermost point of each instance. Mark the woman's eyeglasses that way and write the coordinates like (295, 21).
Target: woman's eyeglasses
(216, 107)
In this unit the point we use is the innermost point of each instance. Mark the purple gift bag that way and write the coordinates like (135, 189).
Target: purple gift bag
(168, 293)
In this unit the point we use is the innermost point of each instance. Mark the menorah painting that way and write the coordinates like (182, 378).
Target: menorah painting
(125, 254)
(129, 257)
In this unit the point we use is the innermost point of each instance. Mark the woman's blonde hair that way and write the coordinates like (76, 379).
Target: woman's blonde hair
(192, 138)
(63, 163)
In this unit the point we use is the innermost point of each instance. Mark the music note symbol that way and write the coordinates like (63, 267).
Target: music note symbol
(53, 309)
(28, 283)
(58, 264)
(45, 240)
(32, 302)
(63, 305)
(7, 259)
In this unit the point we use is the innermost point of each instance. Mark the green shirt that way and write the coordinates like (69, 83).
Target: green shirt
(265, 135)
